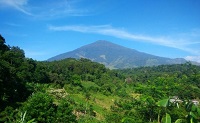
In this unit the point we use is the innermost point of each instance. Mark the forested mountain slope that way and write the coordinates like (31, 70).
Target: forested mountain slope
(116, 56)
(80, 90)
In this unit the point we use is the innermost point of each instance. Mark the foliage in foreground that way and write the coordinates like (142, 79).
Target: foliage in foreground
(80, 90)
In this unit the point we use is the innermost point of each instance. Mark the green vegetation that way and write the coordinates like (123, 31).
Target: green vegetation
(83, 91)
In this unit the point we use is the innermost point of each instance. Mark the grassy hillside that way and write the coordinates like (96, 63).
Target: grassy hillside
(83, 91)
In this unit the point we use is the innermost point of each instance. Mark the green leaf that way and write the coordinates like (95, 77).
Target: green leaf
(179, 121)
(193, 115)
(166, 119)
(191, 120)
(177, 105)
(126, 120)
(194, 107)
(31, 121)
(163, 103)
(198, 111)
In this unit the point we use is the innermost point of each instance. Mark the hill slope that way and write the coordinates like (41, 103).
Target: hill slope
(116, 56)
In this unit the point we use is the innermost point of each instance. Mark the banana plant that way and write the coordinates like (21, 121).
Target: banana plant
(166, 119)
(192, 109)
(164, 103)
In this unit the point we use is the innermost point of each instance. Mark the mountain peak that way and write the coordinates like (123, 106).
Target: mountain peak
(103, 43)
(115, 56)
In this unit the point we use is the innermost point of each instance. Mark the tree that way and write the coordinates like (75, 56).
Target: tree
(3, 47)
(12, 89)
(40, 107)
(64, 113)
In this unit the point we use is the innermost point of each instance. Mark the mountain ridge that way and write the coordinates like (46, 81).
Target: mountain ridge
(116, 56)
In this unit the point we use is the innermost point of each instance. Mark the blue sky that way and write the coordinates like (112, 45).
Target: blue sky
(45, 28)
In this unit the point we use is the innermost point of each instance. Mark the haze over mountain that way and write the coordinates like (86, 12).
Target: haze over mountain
(116, 56)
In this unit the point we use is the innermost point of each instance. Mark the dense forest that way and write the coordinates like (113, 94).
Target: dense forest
(79, 90)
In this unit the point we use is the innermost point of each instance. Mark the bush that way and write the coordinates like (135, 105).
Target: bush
(40, 107)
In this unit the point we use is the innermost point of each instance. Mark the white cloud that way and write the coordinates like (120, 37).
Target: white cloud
(177, 43)
(193, 58)
(46, 10)
(60, 9)
(16, 4)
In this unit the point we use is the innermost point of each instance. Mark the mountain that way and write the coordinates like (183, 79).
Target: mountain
(116, 56)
